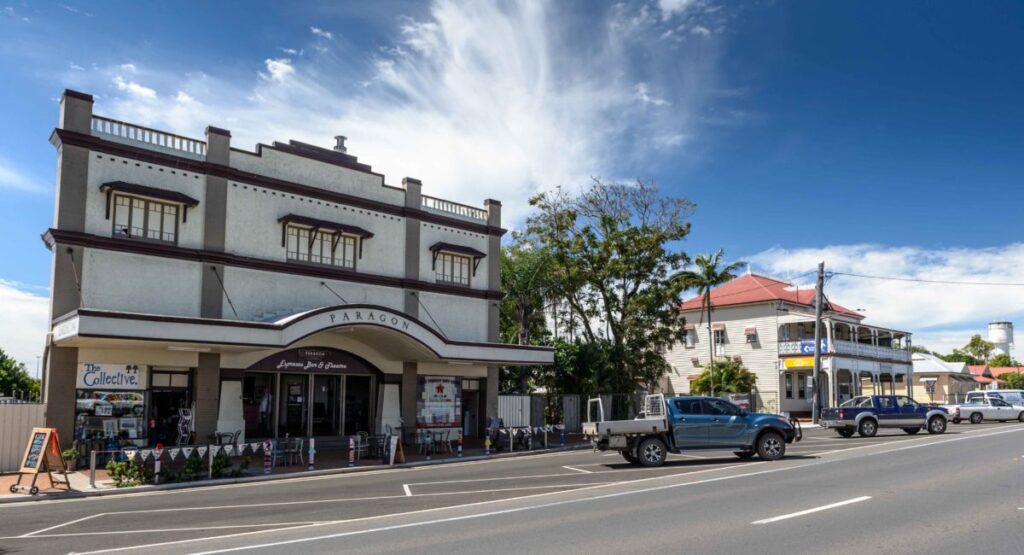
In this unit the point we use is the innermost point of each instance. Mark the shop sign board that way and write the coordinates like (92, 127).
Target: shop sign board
(111, 376)
(798, 362)
(807, 346)
(314, 359)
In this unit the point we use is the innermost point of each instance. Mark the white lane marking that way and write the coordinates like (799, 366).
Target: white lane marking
(814, 510)
(407, 513)
(578, 469)
(406, 488)
(30, 534)
(162, 530)
(538, 495)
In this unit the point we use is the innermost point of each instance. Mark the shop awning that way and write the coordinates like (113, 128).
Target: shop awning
(750, 331)
(718, 326)
(173, 197)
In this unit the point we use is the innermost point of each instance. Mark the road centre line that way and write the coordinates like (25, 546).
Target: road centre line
(811, 511)
(480, 503)
(30, 534)
(579, 470)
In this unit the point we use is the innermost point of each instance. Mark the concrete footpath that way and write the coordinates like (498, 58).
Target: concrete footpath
(326, 464)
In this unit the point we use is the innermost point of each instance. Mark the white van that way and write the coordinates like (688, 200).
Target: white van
(1012, 396)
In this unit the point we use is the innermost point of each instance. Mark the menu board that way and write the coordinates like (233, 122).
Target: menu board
(43, 450)
(439, 403)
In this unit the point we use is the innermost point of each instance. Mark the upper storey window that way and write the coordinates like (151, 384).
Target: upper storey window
(139, 218)
(322, 247)
(453, 268)
(147, 213)
(455, 264)
(322, 242)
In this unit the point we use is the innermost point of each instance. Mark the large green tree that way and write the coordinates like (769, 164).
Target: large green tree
(613, 248)
(1002, 359)
(977, 348)
(14, 378)
(709, 273)
(1013, 381)
(525, 280)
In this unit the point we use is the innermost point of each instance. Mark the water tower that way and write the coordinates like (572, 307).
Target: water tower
(1000, 335)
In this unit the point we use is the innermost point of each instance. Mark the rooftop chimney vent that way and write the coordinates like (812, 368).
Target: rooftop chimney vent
(340, 144)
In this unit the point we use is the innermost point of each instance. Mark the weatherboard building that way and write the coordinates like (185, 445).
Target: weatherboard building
(283, 291)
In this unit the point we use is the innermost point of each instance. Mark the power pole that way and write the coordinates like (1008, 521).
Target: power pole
(819, 298)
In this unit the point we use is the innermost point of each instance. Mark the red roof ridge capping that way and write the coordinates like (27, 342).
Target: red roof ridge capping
(754, 288)
(977, 369)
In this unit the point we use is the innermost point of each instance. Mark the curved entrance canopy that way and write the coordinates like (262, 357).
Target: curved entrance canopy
(383, 327)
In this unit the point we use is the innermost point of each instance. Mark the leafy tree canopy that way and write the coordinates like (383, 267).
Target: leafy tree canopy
(726, 376)
(14, 377)
(1013, 381)
(1003, 359)
(612, 250)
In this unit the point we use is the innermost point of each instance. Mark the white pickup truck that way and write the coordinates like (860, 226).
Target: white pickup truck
(981, 408)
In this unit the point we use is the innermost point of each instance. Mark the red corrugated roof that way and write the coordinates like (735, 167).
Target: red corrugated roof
(1000, 370)
(752, 288)
(977, 369)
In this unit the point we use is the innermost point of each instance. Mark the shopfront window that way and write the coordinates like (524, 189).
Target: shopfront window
(438, 402)
(112, 416)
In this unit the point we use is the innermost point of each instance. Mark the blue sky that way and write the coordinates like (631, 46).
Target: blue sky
(882, 138)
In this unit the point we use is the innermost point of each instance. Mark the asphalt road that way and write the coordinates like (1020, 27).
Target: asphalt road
(958, 492)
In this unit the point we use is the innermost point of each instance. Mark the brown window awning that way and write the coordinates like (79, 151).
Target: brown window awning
(456, 249)
(173, 197)
(718, 326)
(750, 331)
(325, 224)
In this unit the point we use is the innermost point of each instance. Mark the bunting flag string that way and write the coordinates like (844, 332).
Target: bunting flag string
(145, 454)
(172, 453)
(131, 453)
(201, 450)
(187, 451)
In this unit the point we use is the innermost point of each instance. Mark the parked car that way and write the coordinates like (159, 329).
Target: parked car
(985, 408)
(866, 414)
(688, 423)
(1012, 396)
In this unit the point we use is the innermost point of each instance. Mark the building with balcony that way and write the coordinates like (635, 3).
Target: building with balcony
(287, 290)
(768, 325)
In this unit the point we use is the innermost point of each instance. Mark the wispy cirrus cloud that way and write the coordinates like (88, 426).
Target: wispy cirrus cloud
(24, 325)
(941, 316)
(13, 179)
(485, 92)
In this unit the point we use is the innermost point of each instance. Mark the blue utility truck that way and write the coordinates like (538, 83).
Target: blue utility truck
(688, 423)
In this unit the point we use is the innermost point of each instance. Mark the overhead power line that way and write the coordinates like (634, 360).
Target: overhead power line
(938, 281)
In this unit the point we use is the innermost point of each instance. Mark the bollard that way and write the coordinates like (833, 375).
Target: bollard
(312, 453)
(268, 456)
(546, 428)
(511, 440)
(459, 445)
(210, 453)
(351, 451)
(561, 436)
(487, 443)
(92, 469)
(529, 439)
(429, 446)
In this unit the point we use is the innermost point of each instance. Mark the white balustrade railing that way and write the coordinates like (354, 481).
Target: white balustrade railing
(140, 134)
(454, 208)
(847, 348)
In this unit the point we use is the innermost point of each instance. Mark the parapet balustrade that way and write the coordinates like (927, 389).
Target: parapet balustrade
(450, 207)
(145, 135)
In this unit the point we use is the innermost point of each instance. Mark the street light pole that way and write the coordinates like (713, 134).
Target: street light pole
(818, 302)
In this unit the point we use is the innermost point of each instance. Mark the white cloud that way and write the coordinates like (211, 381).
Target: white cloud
(130, 68)
(184, 98)
(321, 33)
(14, 180)
(292, 51)
(485, 92)
(75, 66)
(701, 31)
(23, 327)
(939, 315)
(670, 8)
(643, 95)
(280, 69)
(134, 88)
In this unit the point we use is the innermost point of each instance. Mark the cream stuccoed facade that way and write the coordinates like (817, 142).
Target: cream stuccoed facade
(283, 291)
(768, 326)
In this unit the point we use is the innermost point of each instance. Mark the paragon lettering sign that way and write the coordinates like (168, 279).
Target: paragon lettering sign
(368, 316)
(111, 376)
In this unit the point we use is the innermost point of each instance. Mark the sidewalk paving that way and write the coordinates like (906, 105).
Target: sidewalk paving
(328, 461)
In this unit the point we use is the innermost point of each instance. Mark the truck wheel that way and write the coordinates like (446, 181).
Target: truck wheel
(651, 452)
(937, 425)
(771, 446)
(1020, 417)
(911, 431)
(976, 418)
(628, 455)
(957, 420)
(868, 427)
(845, 432)
(745, 455)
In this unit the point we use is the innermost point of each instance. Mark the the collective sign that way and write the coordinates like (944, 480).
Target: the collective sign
(111, 376)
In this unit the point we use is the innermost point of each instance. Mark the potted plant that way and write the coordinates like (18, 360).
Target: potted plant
(70, 457)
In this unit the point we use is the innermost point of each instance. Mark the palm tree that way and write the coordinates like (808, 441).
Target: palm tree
(708, 276)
